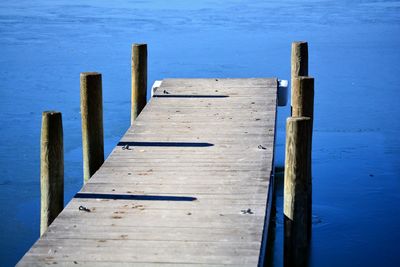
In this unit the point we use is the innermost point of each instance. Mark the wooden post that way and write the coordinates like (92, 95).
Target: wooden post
(92, 123)
(303, 97)
(139, 79)
(51, 168)
(299, 65)
(303, 106)
(296, 190)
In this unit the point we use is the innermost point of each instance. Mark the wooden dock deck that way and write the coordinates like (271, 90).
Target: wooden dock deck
(188, 184)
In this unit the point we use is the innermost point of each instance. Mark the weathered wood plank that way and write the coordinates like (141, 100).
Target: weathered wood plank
(186, 186)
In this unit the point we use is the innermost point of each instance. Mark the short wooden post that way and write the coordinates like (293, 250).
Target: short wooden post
(92, 123)
(296, 190)
(51, 168)
(139, 79)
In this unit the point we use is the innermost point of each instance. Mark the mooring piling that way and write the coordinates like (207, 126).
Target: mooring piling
(298, 169)
(296, 190)
(299, 66)
(92, 123)
(299, 61)
(139, 79)
(303, 106)
(303, 97)
(51, 168)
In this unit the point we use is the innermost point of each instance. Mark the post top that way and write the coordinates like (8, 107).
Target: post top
(51, 113)
(90, 73)
(300, 43)
(139, 45)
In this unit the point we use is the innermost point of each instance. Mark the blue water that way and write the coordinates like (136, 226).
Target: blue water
(353, 54)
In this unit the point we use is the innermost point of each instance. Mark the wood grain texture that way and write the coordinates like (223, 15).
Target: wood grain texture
(299, 58)
(139, 79)
(303, 106)
(296, 190)
(92, 123)
(303, 97)
(186, 186)
(51, 168)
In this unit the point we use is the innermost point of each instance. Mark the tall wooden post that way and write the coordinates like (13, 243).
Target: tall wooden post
(51, 168)
(296, 191)
(303, 106)
(299, 66)
(139, 79)
(92, 123)
(299, 60)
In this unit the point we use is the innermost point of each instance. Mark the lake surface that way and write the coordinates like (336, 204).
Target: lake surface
(353, 54)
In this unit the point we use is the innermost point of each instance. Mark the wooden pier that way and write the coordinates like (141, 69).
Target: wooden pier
(189, 184)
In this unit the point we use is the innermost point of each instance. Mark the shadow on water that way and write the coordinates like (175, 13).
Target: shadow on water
(296, 251)
(271, 243)
(276, 246)
(134, 197)
(166, 144)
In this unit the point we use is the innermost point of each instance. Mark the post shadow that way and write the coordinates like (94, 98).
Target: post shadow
(296, 248)
(190, 96)
(133, 197)
(166, 144)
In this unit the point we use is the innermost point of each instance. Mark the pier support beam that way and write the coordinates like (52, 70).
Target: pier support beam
(139, 79)
(51, 168)
(296, 191)
(92, 123)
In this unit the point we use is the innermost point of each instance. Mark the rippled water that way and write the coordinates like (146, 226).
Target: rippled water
(354, 55)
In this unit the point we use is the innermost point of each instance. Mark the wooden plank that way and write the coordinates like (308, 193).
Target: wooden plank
(62, 231)
(202, 84)
(39, 261)
(190, 189)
